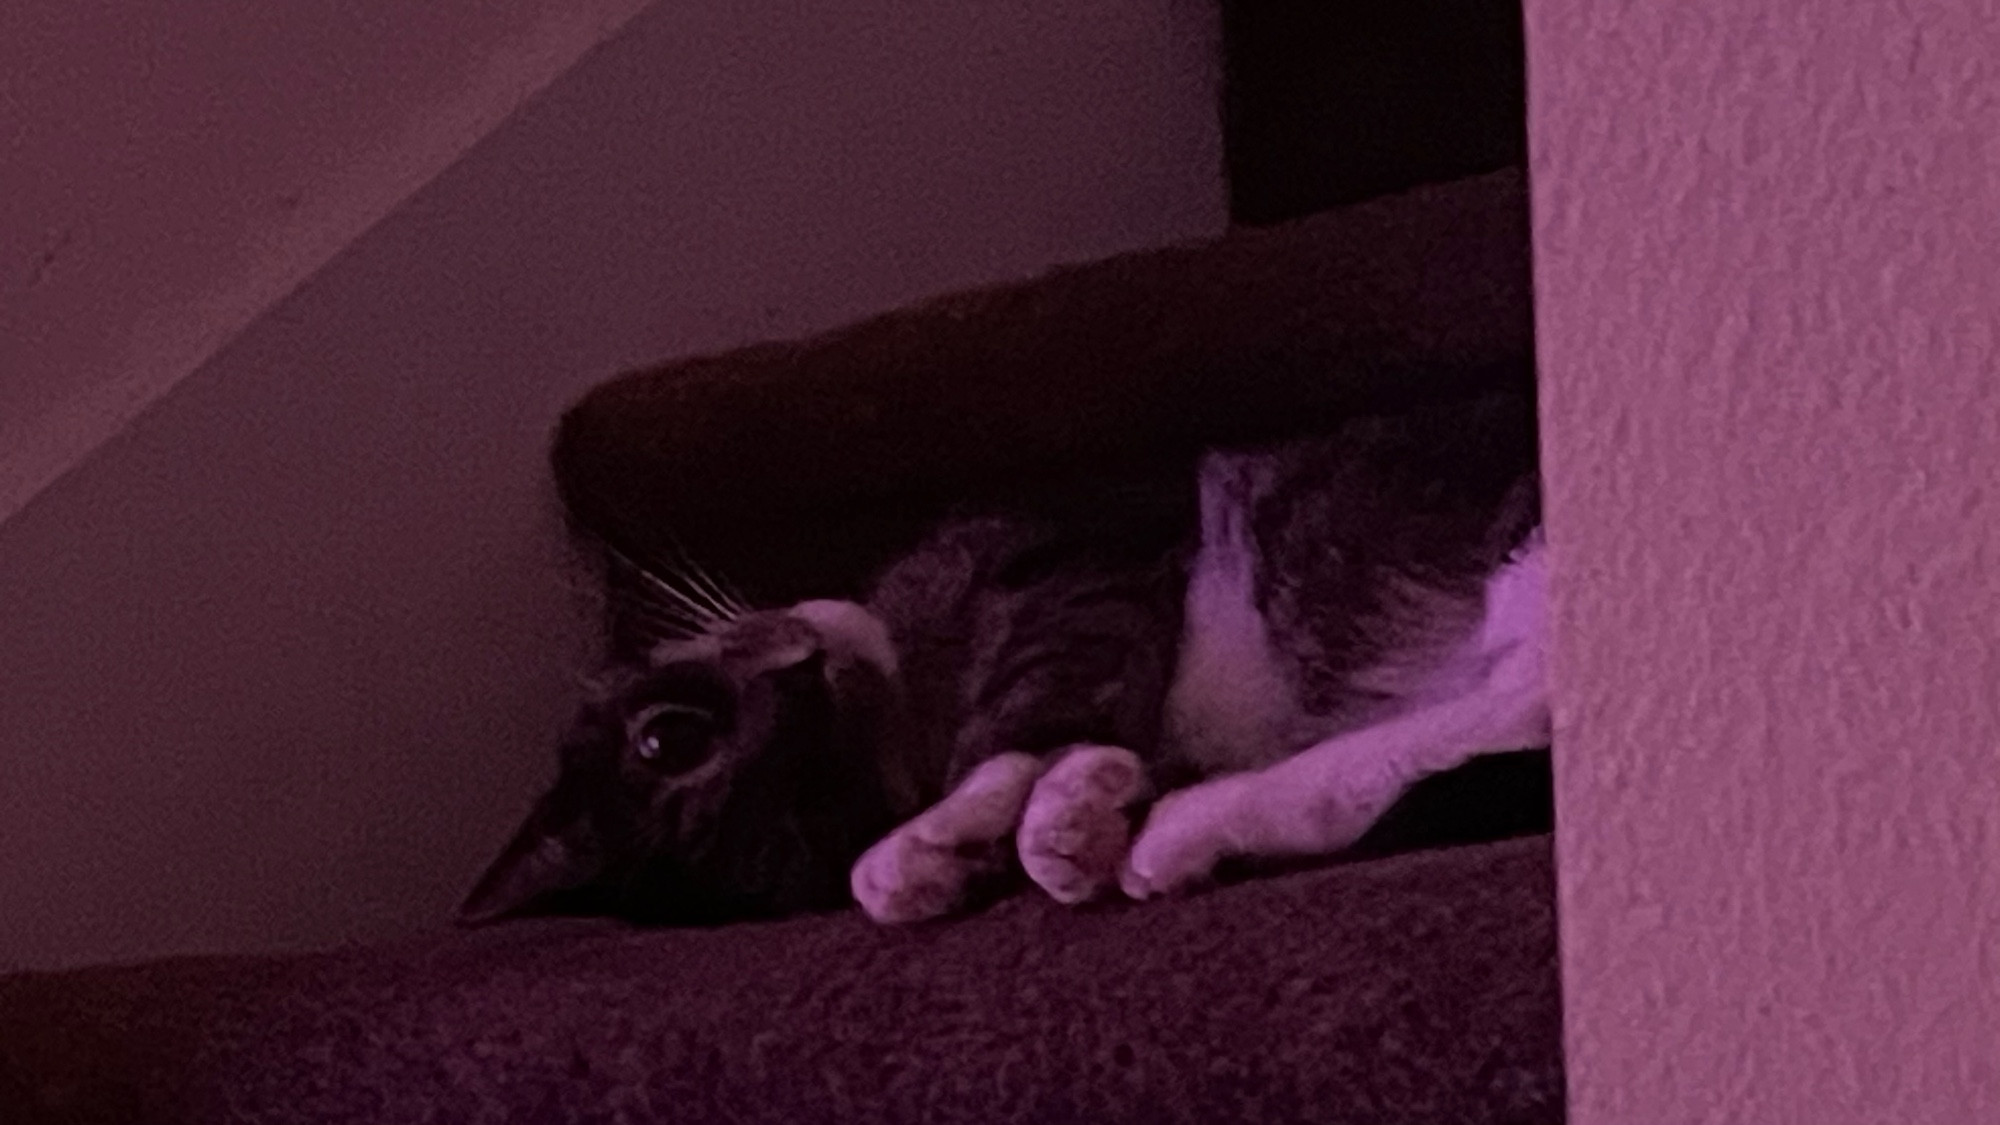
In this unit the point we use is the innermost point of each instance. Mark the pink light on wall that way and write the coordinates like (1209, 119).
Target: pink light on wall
(1768, 287)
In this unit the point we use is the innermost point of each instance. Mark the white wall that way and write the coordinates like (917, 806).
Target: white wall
(1768, 289)
(279, 666)
(170, 170)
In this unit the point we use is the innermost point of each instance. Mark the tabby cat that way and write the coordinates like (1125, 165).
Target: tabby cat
(1335, 619)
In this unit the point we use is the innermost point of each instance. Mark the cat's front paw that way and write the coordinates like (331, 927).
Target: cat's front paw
(1186, 835)
(1074, 832)
(921, 870)
(905, 878)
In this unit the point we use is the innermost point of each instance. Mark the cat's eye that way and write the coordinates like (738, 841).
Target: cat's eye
(674, 738)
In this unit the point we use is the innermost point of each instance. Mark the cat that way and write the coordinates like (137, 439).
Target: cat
(1261, 674)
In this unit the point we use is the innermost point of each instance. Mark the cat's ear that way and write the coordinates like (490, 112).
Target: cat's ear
(550, 854)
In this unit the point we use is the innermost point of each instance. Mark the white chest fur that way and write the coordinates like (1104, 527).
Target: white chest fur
(1230, 706)
(1233, 706)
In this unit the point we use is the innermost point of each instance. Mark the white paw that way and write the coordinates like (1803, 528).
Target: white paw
(1074, 832)
(905, 878)
(920, 871)
(1186, 835)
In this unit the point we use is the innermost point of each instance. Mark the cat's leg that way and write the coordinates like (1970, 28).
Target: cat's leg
(1075, 831)
(920, 870)
(1326, 797)
(1076, 668)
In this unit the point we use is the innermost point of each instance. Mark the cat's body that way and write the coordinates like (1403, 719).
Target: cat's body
(1336, 618)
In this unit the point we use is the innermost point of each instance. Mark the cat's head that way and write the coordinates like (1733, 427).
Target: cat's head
(734, 774)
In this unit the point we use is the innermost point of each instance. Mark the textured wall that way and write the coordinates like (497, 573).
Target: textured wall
(282, 662)
(1768, 272)
(167, 171)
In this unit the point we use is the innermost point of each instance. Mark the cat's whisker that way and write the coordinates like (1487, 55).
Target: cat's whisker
(731, 597)
(671, 597)
(701, 592)
(675, 578)
(699, 578)
(697, 618)
(686, 599)
(698, 599)
(735, 592)
(664, 614)
(673, 606)
(712, 597)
